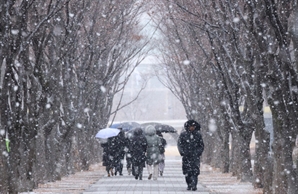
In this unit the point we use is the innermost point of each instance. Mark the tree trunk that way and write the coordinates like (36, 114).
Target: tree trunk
(240, 160)
(279, 177)
(262, 153)
(246, 168)
(225, 146)
(225, 152)
(5, 177)
(283, 176)
(235, 154)
(4, 167)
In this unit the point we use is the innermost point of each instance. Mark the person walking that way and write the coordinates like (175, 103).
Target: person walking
(191, 146)
(106, 159)
(153, 152)
(161, 165)
(118, 146)
(138, 153)
(128, 157)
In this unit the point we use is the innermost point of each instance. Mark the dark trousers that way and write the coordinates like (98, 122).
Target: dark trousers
(119, 167)
(138, 171)
(108, 169)
(191, 180)
(128, 162)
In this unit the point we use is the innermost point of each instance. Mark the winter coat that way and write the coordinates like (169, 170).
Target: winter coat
(106, 160)
(138, 148)
(117, 148)
(153, 145)
(122, 143)
(191, 146)
(128, 147)
(162, 147)
(163, 144)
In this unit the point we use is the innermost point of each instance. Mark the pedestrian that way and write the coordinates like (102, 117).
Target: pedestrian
(161, 165)
(138, 153)
(191, 146)
(128, 157)
(106, 159)
(112, 152)
(119, 151)
(153, 152)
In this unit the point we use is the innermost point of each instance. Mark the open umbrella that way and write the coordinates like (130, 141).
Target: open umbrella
(160, 127)
(126, 126)
(107, 132)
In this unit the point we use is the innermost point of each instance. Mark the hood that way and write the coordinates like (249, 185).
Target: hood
(150, 130)
(189, 123)
(138, 132)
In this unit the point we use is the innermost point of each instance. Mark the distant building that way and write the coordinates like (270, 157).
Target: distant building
(156, 102)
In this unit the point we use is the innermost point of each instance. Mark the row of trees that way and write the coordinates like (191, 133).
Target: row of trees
(220, 55)
(60, 66)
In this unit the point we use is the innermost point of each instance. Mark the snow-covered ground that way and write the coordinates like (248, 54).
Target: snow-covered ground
(210, 179)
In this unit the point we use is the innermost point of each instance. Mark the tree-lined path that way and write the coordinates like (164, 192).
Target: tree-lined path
(67, 67)
(96, 181)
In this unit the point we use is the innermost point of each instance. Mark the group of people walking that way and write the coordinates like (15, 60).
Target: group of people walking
(113, 153)
(140, 148)
(146, 148)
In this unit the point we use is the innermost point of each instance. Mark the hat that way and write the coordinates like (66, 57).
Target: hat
(150, 130)
(191, 122)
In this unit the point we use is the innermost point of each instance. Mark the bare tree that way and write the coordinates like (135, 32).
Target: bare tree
(250, 44)
(60, 67)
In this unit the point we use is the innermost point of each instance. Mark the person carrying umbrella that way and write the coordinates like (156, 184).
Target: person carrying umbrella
(122, 146)
(128, 156)
(161, 165)
(153, 152)
(191, 146)
(138, 153)
(108, 139)
(106, 158)
(117, 147)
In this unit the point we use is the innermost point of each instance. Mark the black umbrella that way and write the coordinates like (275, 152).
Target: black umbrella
(160, 127)
(126, 126)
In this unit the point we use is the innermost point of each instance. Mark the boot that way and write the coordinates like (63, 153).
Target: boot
(150, 176)
(161, 173)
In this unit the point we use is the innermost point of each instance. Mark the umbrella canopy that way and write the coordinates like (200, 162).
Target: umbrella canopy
(160, 127)
(107, 133)
(126, 126)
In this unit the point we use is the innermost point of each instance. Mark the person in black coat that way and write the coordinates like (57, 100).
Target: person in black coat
(138, 153)
(128, 145)
(106, 159)
(118, 148)
(191, 146)
(161, 165)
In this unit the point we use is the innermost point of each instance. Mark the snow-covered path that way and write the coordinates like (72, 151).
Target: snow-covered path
(172, 182)
(96, 181)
